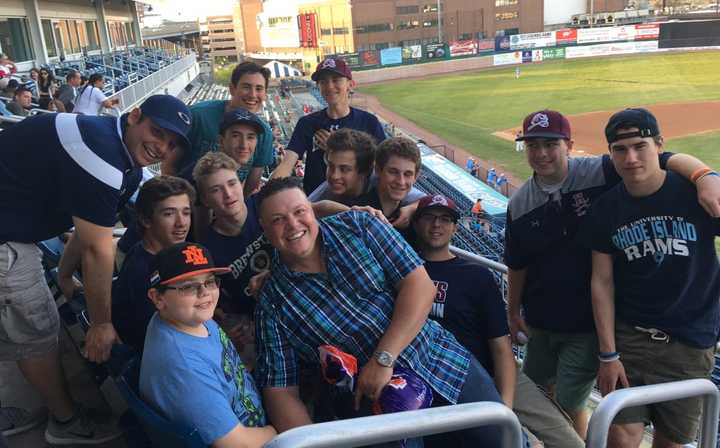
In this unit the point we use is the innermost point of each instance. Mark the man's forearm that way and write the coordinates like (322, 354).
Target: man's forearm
(416, 293)
(252, 181)
(70, 260)
(516, 284)
(97, 269)
(286, 166)
(505, 368)
(285, 409)
(603, 302)
(684, 165)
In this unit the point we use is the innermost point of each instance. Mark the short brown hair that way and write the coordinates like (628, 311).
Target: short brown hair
(399, 147)
(211, 163)
(158, 189)
(359, 142)
(249, 68)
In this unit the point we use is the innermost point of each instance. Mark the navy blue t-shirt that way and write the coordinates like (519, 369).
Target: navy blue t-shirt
(541, 236)
(131, 307)
(247, 254)
(302, 140)
(666, 271)
(469, 305)
(56, 166)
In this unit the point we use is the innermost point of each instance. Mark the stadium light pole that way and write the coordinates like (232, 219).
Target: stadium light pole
(439, 23)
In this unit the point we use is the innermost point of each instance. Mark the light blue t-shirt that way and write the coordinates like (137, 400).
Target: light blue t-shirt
(198, 382)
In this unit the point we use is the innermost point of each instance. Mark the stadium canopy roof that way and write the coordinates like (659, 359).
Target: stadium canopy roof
(280, 70)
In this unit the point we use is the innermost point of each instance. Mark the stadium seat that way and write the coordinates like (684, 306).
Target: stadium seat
(160, 431)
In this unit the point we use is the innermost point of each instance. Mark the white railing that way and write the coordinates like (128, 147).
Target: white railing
(613, 403)
(403, 425)
(133, 94)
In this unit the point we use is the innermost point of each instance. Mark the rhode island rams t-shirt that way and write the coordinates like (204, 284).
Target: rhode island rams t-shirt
(665, 265)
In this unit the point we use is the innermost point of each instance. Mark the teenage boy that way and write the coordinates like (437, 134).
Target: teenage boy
(248, 90)
(397, 167)
(469, 305)
(390, 189)
(235, 237)
(549, 270)
(655, 282)
(351, 281)
(164, 211)
(60, 170)
(311, 132)
(190, 370)
(349, 156)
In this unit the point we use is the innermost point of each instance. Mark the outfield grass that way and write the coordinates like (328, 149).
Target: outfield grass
(465, 109)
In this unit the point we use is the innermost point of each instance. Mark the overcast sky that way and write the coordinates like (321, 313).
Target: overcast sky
(181, 10)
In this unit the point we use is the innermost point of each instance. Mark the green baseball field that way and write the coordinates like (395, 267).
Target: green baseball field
(480, 111)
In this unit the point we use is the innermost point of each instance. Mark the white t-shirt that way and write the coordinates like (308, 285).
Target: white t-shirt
(89, 101)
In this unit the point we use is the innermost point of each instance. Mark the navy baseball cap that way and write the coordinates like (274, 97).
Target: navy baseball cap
(639, 118)
(181, 261)
(241, 115)
(545, 124)
(437, 201)
(334, 65)
(169, 113)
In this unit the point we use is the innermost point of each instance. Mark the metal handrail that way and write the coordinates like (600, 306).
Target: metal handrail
(402, 425)
(486, 262)
(614, 402)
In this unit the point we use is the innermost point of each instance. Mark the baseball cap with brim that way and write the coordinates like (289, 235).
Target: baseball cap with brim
(241, 115)
(545, 124)
(332, 65)
(181, 261)
(639, 118)
(437, 201)
(170, 114)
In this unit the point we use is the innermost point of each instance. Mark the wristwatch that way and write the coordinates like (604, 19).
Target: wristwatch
(384, 358)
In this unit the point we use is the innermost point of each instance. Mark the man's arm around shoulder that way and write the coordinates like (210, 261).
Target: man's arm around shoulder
(285, 169)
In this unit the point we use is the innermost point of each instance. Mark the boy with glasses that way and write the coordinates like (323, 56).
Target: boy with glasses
(190, 370)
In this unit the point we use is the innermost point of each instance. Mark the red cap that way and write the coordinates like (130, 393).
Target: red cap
(437, 201)
(335, 65)
(545, 124)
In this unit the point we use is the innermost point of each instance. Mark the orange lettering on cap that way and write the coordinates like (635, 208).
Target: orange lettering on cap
(194, 255)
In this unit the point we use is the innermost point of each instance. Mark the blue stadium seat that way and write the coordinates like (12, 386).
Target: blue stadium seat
(160, 431)
(52, 250)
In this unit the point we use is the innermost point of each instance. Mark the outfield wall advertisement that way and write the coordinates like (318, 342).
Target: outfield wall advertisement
(611, 49)
(463, 48)
(532, 40)
(516, 57)
(618, 33)
(391, 56)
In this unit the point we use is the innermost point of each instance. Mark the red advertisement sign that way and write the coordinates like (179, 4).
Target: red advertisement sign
(566, 37)
(463, 48)
(647, 31)
(306, 25)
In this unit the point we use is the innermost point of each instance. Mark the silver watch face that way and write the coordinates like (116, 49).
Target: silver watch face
(384, 359)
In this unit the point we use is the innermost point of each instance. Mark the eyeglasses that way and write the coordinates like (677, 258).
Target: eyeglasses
(430, 219)
(195, 288)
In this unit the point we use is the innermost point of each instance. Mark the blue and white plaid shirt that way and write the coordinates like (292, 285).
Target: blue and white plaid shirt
(350, 306)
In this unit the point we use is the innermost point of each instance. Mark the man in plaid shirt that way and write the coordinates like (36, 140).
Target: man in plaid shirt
(351, 281)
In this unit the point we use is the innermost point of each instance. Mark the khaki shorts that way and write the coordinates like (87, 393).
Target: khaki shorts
(567, 360)
(543, 417)
(652, 362)
(29, 321)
